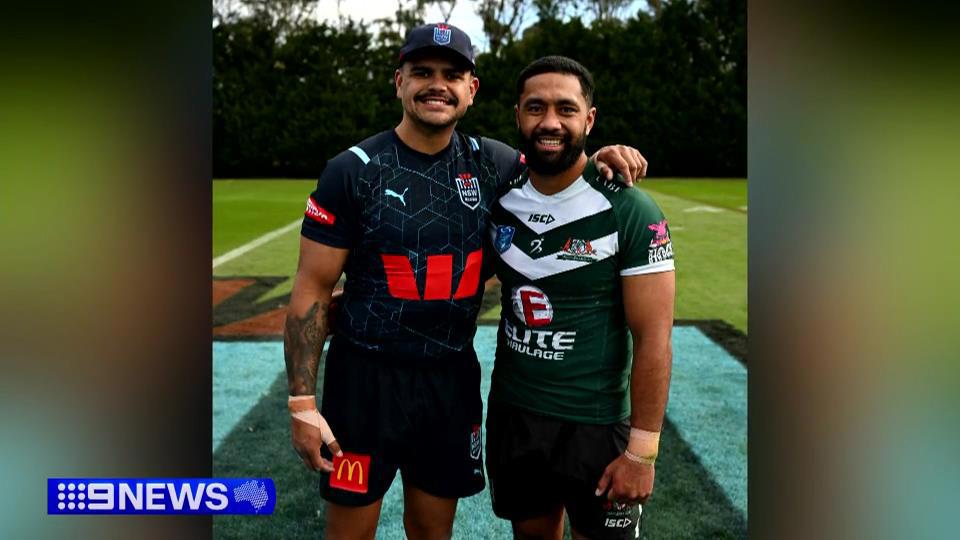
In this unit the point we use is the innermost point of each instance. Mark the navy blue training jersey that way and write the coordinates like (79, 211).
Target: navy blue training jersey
(414, 224)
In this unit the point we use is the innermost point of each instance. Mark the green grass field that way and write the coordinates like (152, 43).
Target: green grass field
(708, 225)
(701, 475)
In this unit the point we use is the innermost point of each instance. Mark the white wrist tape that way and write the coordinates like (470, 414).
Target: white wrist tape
(304, 408)
(645, 460)
(644, 444)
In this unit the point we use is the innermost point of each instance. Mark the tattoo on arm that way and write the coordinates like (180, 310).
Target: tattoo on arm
(302, 345)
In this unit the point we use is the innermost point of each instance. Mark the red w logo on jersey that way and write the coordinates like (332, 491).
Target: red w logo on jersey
(402, 283)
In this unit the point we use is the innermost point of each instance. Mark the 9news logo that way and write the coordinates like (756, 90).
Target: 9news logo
(160, 496)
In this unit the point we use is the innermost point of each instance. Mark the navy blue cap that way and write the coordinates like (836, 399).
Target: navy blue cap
(438, 36)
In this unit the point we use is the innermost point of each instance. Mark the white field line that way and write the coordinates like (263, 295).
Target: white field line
(255, 243)
(706, 208)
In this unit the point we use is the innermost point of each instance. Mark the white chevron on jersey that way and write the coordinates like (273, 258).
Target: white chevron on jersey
(550, 265)
(577, 201)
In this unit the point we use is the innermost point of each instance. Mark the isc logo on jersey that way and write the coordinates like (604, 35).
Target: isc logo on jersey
(546, 219)
(532, 306)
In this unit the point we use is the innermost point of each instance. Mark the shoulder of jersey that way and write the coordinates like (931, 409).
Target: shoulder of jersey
(517, 182)
(622, 196)
(473, 143)
(492, 145)
(363, 152)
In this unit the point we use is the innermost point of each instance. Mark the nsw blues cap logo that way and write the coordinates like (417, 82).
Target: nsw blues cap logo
(441, 34)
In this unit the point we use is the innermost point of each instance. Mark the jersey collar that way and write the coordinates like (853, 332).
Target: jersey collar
(577, 187)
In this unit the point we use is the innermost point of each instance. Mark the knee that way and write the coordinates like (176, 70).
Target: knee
(520, 533)
(424, 529)
(544, 528)
(350, 524)
(347, 532)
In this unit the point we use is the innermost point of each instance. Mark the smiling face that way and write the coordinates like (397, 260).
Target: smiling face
(435, 91)
(554, 119)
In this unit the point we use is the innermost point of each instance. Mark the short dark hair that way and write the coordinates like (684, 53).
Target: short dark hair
(558, 64)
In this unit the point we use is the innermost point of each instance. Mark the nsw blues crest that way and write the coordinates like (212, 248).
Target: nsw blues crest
(504, 238)
(469, 189)
(441, 34)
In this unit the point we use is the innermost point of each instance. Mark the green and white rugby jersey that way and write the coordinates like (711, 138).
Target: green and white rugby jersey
(562, 345)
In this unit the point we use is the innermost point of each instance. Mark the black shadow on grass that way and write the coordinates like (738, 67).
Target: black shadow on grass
(687, 503)
(723, 334)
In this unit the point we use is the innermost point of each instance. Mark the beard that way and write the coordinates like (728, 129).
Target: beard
(552, 164)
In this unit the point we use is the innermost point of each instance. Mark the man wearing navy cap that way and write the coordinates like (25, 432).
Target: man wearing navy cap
(404, 214)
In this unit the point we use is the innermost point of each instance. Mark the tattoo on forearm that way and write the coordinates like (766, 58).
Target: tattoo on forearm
(302, 345)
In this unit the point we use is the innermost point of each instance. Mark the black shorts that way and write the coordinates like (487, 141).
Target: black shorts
(537, 463)
(420, 416)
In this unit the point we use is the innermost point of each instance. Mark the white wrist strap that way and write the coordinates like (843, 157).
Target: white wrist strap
(303, 412)
(643, 444)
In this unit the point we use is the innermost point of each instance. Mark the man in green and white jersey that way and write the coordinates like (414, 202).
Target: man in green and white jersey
(574, 418)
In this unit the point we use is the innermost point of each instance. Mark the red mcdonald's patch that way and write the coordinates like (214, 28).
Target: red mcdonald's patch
(351, 472)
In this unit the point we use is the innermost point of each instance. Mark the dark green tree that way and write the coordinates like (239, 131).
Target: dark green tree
(670, 81)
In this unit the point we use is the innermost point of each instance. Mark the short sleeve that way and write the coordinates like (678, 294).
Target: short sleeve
(507, 160)
(332, 214)
(644, 235)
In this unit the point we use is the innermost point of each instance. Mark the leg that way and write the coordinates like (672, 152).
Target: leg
(352, 522)
(523, 487)
(354, 490)
(445, 452)
(425, 516)
(545, 527)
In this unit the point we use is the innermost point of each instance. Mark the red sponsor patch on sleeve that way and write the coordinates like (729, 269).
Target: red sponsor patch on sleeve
(317, 213)
(351, 472)
(523, 158)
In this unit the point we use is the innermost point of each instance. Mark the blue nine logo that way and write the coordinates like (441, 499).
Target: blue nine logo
(160, 496)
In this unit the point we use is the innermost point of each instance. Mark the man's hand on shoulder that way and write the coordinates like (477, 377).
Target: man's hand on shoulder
(626, 160)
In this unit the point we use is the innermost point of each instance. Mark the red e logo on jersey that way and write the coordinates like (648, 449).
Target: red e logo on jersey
(532, 306)
(402, 283)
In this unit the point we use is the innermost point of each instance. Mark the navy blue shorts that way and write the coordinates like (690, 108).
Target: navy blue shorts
(537, 463)
(422, 417)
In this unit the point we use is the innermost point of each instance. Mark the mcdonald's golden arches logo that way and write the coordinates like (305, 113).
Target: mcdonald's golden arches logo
(351, 472)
